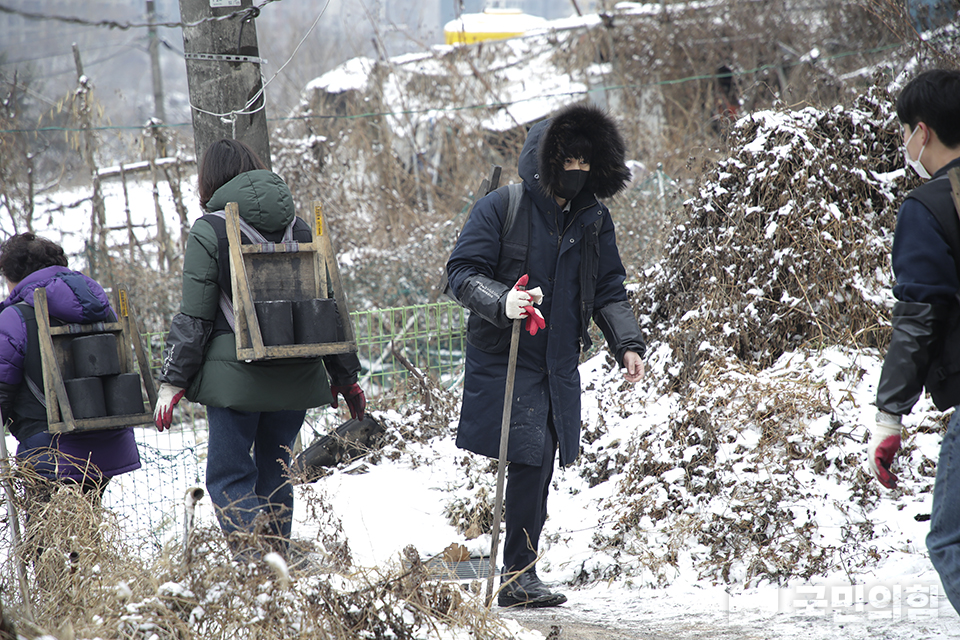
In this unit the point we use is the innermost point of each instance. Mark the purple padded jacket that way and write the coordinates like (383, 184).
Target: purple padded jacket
(72, 298)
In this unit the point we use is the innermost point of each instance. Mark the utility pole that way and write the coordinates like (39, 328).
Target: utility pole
(158, 111)
(83, 107)
(223, 74)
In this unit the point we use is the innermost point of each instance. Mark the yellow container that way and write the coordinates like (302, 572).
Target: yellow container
(492, 24)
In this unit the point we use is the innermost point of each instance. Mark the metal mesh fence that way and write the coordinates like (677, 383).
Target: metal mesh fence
(149, 501)
(429, 337)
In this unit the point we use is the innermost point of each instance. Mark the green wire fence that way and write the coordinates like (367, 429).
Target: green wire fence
(427, 338)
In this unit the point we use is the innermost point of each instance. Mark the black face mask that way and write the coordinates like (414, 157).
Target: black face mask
(571, 182)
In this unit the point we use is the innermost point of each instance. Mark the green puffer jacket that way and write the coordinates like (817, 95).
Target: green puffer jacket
(208, 367)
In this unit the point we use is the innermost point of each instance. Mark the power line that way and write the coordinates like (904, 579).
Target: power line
(113, 24)
(112, 45)
(65, 54)
(170, 47)
(493, 105)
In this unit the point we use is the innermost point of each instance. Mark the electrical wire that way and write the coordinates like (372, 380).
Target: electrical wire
(485, 106)
(112, 24)
(65, 54)
(299, 44)
(89, 64)
(231, 116)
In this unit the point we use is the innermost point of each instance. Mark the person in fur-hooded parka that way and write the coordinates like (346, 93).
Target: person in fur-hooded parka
(575, 274)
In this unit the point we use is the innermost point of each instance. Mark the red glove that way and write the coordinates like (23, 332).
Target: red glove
(535, 320)
(353, 394)
(167, 398)
(883, 447)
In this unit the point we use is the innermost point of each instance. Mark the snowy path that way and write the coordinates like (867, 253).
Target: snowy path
(643, 614)
(400, 505)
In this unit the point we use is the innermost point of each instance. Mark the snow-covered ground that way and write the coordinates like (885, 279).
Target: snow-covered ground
(391, 505)
(386, 506)
(626, 549)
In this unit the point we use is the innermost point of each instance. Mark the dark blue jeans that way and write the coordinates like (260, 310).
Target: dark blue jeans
(525, 506)
(243, 484)
(943, 541)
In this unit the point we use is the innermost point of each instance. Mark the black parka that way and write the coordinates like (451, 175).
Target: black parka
(924, 349)
(547, 378)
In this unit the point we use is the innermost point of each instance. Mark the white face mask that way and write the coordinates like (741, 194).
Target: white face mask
(916, 165)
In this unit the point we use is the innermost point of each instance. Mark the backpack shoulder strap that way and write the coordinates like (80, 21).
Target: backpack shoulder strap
(514, 194)
(32, 370)
(514, 235)
(248, 230)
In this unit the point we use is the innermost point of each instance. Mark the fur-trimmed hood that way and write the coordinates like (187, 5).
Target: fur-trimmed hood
(546, 149)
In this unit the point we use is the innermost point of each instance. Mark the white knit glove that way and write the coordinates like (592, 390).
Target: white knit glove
(883, 447)
(515, 304)
(167, 398)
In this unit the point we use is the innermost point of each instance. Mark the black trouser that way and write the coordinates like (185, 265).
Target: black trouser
(525, 505)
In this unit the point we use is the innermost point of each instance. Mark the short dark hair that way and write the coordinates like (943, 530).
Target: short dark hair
(223, 161)
(577, 148)
(25, 253)
(933, 97)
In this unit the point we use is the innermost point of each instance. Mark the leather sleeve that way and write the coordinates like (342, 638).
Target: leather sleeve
(183, 354)
(916, 326)
(473, 262)
(342, 368)
(485, 297)
(620, 328)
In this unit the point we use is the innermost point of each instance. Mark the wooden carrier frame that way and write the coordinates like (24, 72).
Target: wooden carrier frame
(954, 176)
(293, 271)
(56, 356)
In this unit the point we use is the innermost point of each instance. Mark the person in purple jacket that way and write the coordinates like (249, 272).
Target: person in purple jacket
(88, 458)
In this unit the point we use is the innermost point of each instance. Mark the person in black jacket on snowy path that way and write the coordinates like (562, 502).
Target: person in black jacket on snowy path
(575, 273)
(924, 349)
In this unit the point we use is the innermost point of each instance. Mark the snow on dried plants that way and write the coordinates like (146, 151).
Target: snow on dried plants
(776, 260)
(86, 580)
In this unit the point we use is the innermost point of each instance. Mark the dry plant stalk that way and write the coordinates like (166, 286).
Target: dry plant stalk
(87, 581)
(784, 251)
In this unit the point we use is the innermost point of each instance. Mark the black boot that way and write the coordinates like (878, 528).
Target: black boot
(527, 591)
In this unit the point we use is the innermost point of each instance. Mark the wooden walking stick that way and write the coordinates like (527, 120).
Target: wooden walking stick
(502, 461)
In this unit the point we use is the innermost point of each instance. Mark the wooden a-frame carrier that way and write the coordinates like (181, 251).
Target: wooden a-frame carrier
(56, 358)
(283, 271)
(954, 176)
